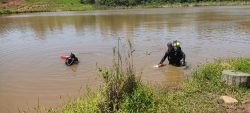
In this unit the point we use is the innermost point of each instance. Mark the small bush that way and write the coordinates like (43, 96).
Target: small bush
(141, 101)
(118, 83)
(4, 11)
(87, 104)
(88, 1)
(241, 64)
(3, 1)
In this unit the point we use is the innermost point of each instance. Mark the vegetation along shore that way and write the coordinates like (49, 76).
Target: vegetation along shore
(23, 6)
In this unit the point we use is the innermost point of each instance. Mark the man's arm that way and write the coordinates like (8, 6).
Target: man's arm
(184, 58)
(164, 58)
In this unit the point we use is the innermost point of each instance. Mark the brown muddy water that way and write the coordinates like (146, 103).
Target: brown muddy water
(32, 74)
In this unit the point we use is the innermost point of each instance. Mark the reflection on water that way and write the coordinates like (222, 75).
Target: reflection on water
(115, 23)
(173, 75)
(73, 68)
(30, 46)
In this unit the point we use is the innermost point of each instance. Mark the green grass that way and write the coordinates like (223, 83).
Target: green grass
(4, 11)
(87, 104)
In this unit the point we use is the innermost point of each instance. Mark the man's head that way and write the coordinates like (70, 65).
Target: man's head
(170, 45)
(72, 55)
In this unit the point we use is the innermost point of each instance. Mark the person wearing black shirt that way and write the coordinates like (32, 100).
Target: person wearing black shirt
(174, 55)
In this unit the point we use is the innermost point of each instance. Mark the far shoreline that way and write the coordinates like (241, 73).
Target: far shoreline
(43, 7)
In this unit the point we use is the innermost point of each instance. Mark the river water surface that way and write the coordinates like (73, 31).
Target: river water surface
(32, 74)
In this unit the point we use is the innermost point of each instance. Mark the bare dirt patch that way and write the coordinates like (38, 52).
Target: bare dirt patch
(9, 3)
(244, 109)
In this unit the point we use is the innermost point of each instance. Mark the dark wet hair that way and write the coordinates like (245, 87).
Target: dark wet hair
(72, 55)
(169, 44)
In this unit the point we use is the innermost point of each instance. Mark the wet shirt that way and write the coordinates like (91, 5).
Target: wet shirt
(174, 56)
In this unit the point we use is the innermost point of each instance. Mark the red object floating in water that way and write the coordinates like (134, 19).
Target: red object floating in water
(64, 57)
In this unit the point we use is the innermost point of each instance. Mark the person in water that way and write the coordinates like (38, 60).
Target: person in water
(72, 59)
(174, 55)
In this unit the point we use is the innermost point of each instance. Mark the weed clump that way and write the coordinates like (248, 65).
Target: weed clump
(122, 90)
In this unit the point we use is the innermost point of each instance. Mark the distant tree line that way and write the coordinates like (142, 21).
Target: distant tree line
(138, 2)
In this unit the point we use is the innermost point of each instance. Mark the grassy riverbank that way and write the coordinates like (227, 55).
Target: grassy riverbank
(123, 92)
(80, 5)
(46, 6)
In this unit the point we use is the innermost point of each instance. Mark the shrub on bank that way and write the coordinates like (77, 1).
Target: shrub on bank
(3, 1)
